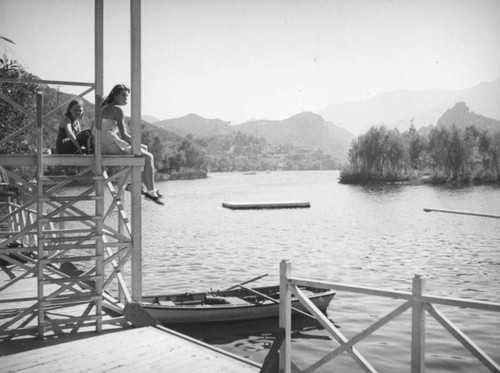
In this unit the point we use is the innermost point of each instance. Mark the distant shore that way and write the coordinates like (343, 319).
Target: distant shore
(182, 174)
(367, 179)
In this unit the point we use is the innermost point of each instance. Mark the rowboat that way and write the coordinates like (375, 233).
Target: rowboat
(227, 305)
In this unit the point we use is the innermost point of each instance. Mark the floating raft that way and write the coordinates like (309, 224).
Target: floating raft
(266, 205)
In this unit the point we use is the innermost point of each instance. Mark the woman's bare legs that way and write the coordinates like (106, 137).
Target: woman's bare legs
(148, 173)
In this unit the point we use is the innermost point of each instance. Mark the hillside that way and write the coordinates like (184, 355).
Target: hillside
(306, 130)
(149, 119)
(195, 125)
(461, 116)
(399, 108)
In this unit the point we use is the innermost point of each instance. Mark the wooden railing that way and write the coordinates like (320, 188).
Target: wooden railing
(32, 120)
(416, 301)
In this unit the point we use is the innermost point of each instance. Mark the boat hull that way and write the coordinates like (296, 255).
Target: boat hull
(191, 308)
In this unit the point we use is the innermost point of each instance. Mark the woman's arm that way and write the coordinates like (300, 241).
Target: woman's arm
(120, 122)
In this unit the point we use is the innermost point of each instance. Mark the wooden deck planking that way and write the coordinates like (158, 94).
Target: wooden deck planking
(150, 349)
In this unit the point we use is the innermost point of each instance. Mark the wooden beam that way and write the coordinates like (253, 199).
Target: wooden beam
(135, 34)
(70, 160)
(285, 320)
(39, 173)
(350, 288)
(418, 328)
(463, 213)
(463, 339)
(98, 164)
(135, 48)
(41, 81)
(332, 330)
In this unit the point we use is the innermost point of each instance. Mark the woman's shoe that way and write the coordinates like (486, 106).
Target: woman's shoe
(155, 199)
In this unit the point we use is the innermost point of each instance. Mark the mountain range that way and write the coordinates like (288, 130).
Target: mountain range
(399, 108)
(332, 129)
(306, 130)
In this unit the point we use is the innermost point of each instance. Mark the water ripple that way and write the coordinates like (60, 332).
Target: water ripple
(376, 236)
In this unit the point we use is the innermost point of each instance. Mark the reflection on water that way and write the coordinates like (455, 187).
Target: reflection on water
(238, 331)
(375, 236)
(253, 339)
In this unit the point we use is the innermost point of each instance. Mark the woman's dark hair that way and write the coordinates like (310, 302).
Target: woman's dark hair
(117, 89)
(74, 102)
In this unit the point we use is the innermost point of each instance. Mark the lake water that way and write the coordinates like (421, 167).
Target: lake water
(375, 236)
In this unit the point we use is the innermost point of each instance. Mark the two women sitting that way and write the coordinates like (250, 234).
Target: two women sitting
(115, 140)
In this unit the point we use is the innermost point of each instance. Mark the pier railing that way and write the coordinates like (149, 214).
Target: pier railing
(415, 301)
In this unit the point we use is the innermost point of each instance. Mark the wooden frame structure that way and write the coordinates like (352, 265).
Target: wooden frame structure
(416, 301)
(49, 229)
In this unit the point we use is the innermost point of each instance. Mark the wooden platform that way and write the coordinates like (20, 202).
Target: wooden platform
(70, 160)
(150, 349)
(266, 205)
(119, 348)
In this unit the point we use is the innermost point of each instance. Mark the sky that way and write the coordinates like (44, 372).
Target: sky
(238, 60)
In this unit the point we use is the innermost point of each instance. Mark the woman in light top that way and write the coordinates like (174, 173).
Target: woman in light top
(70, 138)
(116, 140)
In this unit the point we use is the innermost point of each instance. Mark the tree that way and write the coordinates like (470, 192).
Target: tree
(380, 154)
(13, 119)
(470, 138)
(489, 147)
(190, 155)
(415, 147)
(456, 154)
(393, 157)
(439, 139)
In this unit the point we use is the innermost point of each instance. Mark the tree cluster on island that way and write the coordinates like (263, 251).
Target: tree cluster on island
(448, 152)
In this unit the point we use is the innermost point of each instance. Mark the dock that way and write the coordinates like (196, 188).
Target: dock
(118, 348)
(149, 349)
(266, 205)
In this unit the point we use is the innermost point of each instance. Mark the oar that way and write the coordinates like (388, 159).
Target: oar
(462, 213)
(273, 300)
(246, 282)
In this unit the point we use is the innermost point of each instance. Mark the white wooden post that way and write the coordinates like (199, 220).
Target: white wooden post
(285, 316)
(39, 174)
(417, 327)
(121, 229)
(99, 182)
(135, 35)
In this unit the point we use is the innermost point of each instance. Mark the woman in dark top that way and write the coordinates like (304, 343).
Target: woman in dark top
(70, 138)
